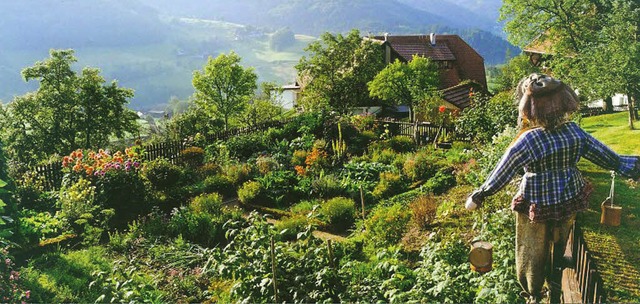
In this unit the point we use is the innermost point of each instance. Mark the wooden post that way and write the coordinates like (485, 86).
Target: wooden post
(330, 249)
(362, 202)
(273, 270)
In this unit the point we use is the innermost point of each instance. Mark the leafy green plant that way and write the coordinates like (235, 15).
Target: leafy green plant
(339, 213)
(390, 184)
(326, 186)
(81, 212)
(206, 203)
(219, 183)
(279, 187)
(442, 181)
(162, 174)
(246, 145)
(421, 166)
(402, 144)
(266, 164)
(289, 227)
(192, 157)
(250, 192)
(387, 224)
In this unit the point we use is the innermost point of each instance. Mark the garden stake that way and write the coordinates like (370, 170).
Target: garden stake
(273, 269)
(362, 201)
(330, 249)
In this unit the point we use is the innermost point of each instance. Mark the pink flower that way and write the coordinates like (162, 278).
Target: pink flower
(27, 294)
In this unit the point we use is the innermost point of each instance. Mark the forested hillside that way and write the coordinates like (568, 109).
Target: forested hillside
(152, 46)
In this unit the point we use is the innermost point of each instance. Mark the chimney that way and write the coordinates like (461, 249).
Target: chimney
(432, 38)
(386, 35)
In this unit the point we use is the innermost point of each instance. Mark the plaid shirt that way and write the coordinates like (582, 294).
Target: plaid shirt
(552, 187)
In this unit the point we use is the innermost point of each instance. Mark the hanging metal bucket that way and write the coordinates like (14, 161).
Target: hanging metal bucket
(611, 214)
(481, 256)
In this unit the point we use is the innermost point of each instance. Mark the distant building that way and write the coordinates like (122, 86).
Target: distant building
(290, 94)
(461, 67)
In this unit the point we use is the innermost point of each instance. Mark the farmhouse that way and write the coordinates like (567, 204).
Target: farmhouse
(461, 67)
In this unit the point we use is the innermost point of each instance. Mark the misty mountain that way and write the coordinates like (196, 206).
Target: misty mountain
(153, 46)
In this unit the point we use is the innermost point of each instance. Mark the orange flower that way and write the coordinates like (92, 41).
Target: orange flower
(300, 170)
(442, 109)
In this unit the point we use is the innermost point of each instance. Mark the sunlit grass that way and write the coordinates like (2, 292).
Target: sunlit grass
(616, 250)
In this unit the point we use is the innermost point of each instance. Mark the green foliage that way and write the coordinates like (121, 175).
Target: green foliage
(406, 83)
(125, 283)
(487, 117)
(162, 174)
(278, 187)
(326, 186)
(265, 107)
(289, 227)
(219, 183)
(196, 224)
(191, 122)
(421, 166)
(206, 203)
(441, 182)
(238, 173)
(340, 67)
(339, 213)
(246, 145)
(266, 164)
(125, 193)
(510, 74)
(251, 192)
(65, 277)
(192, 157)
(223, 86)
(36, 226)
(66, 112)
(81, 213)
(387, 224)
(389, 185)
(402, 144)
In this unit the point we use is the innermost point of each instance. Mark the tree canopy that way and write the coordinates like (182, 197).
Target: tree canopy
(223, 86)
(66, 112)
(338, 70)
(406, 83)
(594, 43)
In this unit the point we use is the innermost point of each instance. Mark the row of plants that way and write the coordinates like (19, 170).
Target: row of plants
(166, 235)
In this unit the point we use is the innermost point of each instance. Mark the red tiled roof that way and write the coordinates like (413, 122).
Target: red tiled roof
(459, 95)
(466, 63)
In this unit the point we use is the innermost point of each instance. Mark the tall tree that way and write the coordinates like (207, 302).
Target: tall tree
(406, 83)
(589, 40)
(66, 112)
(224, 86)
(338, 69)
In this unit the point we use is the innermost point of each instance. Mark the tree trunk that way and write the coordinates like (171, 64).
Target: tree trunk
(632, 102)
(607, 105)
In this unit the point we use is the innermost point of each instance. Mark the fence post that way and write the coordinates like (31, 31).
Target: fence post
(273, 270)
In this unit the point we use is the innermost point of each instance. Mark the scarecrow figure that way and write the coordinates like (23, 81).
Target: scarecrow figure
(552, 190)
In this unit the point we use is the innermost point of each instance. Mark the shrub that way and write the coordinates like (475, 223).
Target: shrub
(30, 193)
(79, 210)
(192, 157)
(201, 228)
(304, 207)
(299, 157)
(390, 184)
(208, 169)
(279, 187)
(387, 225)
(326, 186)
(420, 166)
(289, 227)
(339, 213)
(358, 144)
(245, 145)
(402, 144)
(266, 164)
(206, 203)
(162, 174)
(250, 192)
(238, 173)
(219, 183)
(442, 181)
(385, 156)
(423, 210)
(125, 192)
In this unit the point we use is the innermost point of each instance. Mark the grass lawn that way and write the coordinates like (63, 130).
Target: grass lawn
(616, 250)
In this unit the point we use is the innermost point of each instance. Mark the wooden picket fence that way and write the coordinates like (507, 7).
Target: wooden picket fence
(584, 271)
(423, 132)
(52, 173)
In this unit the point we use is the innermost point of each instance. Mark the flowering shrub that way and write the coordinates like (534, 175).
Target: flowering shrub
(192, 157)
(10, 289)
(93, 163)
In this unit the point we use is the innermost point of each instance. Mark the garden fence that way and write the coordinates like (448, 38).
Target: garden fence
(423, 132)
(52, 173)
(589, 282)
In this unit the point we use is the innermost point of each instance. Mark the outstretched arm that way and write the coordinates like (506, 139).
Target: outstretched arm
(601, 155)
(513, 160)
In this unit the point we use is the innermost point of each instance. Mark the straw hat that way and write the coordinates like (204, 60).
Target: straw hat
(545, 101)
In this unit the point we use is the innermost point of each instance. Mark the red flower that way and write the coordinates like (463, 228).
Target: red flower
(442, 109)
